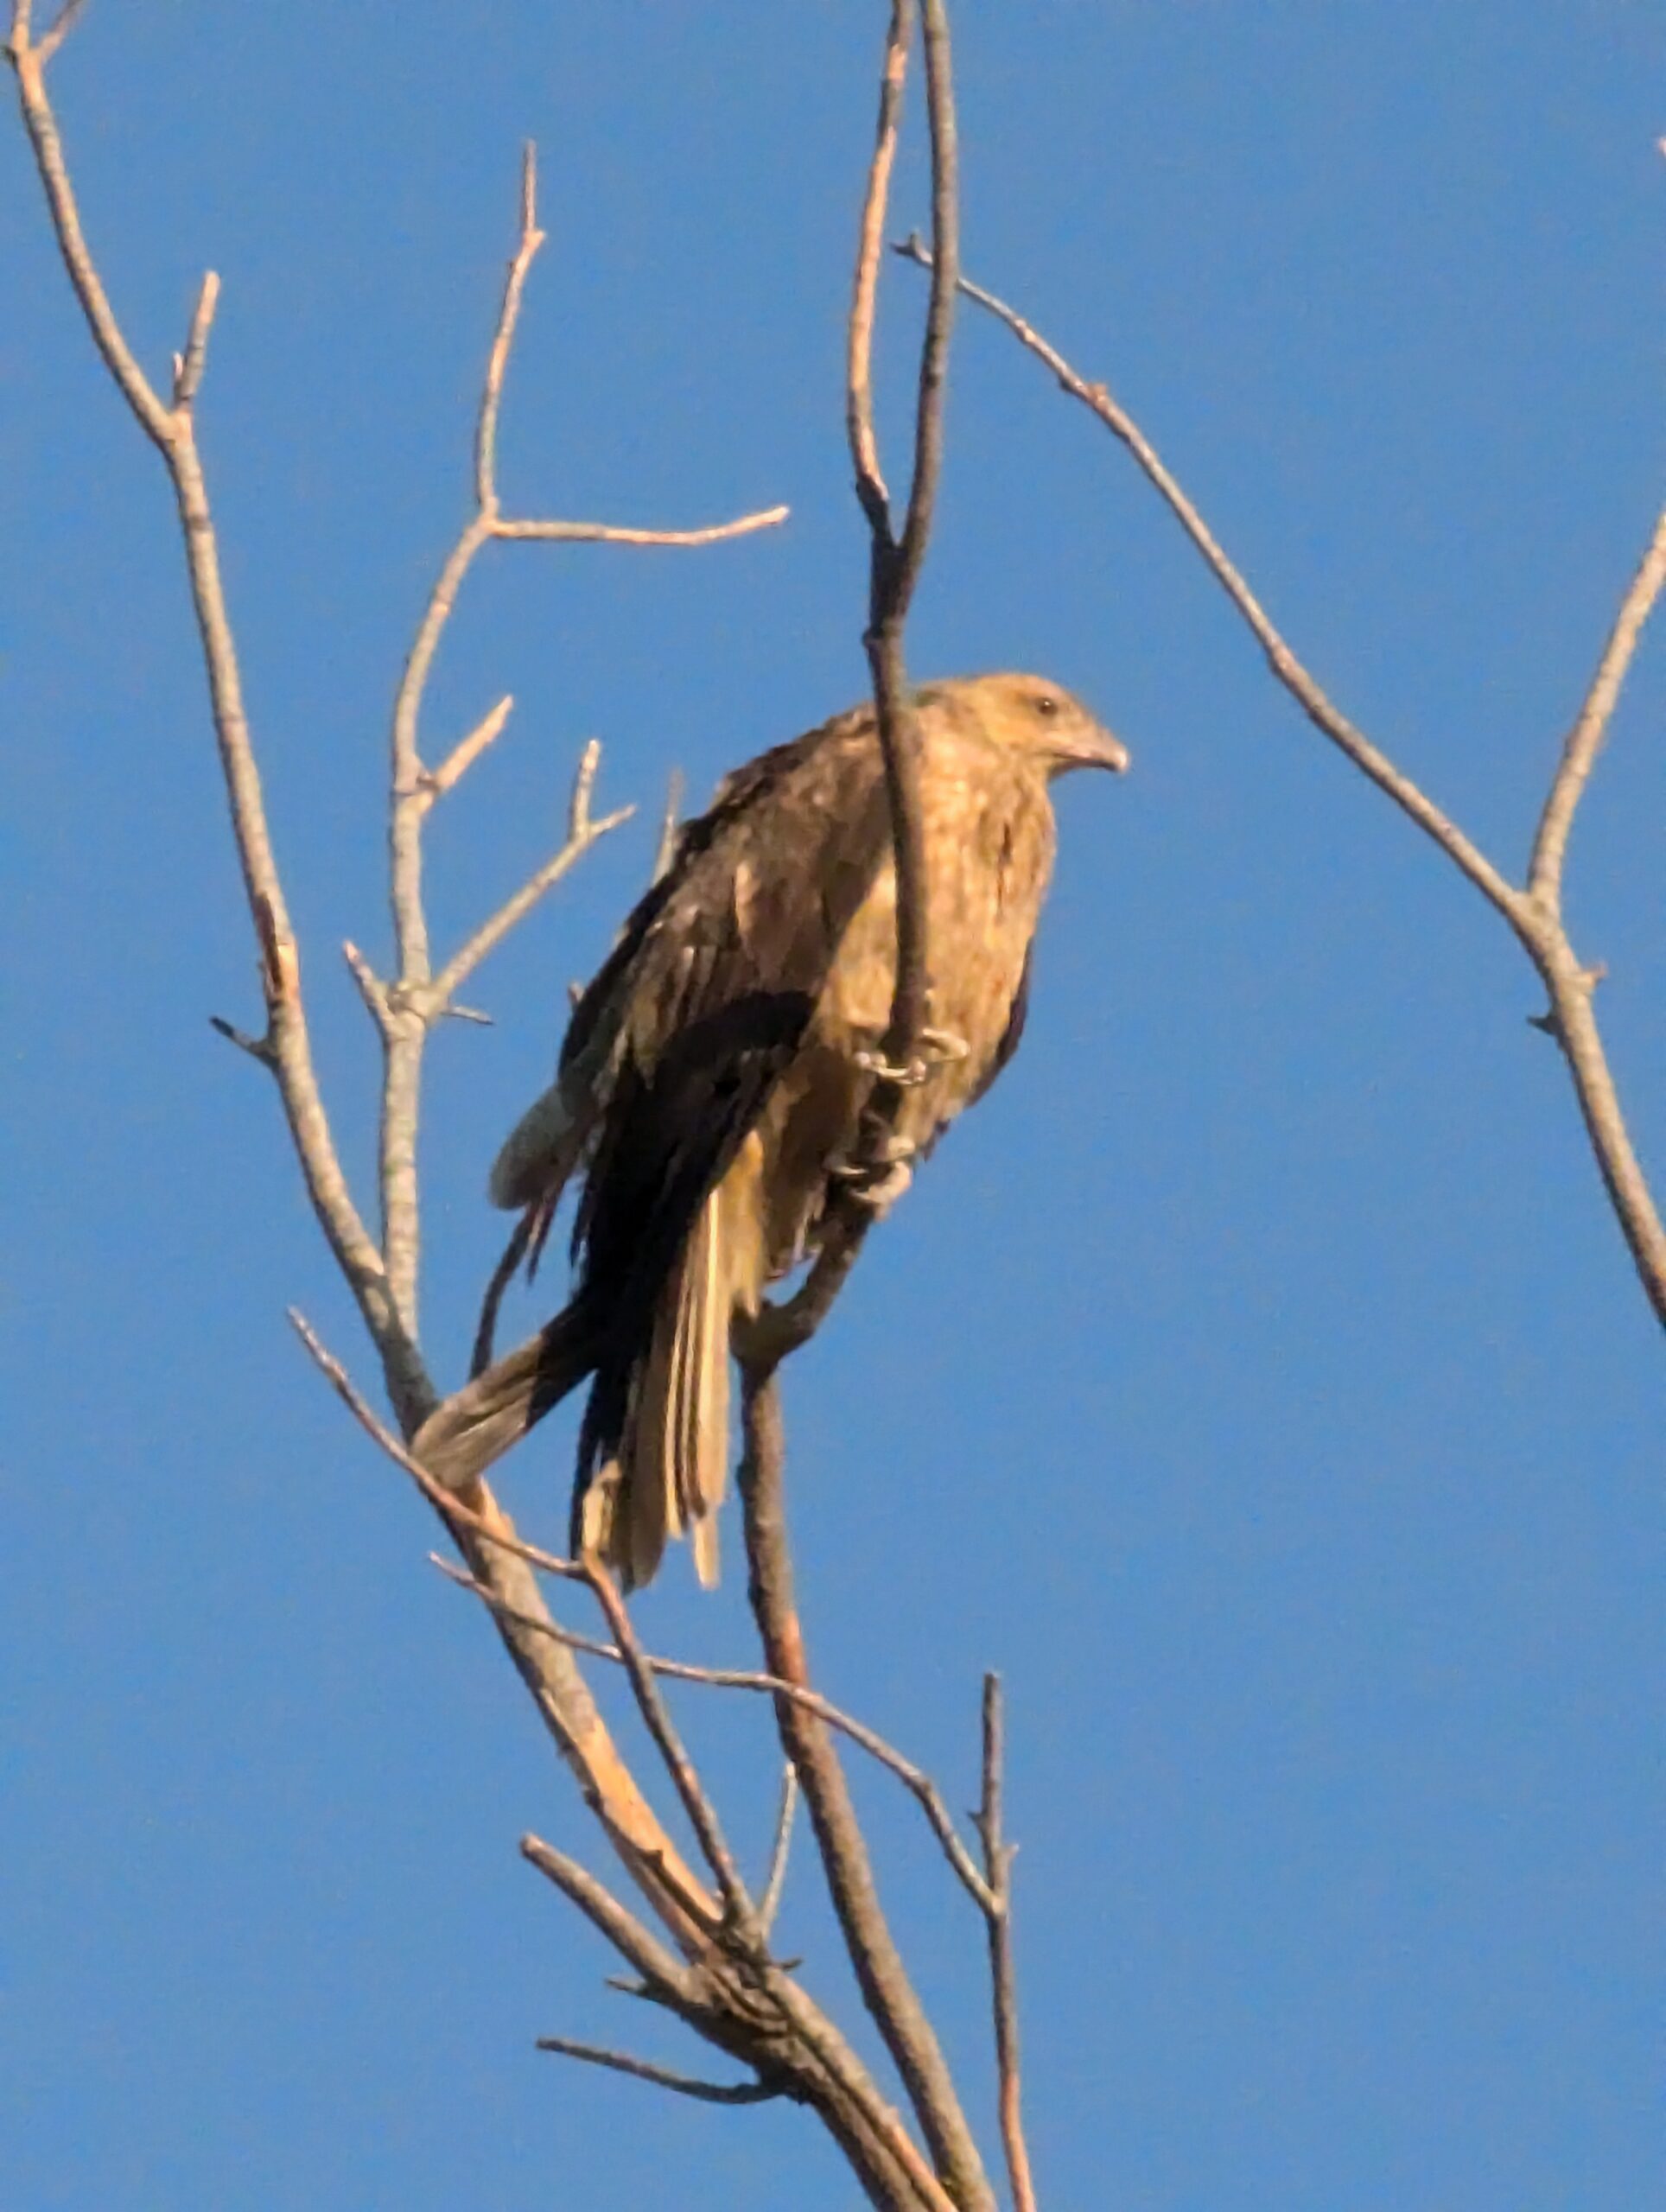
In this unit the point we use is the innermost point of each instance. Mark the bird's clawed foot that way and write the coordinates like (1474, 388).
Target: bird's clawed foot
(879, 1184)
(939, 1048)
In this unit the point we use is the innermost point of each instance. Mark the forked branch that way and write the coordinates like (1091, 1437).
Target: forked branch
(1534, 911)
(416, 997)
(708, 1958)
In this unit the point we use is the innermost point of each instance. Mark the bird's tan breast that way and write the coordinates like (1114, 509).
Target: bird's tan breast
(988, 835)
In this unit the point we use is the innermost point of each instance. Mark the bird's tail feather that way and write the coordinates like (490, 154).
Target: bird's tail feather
(671, 1467)
(670, 1471)
(472, 1430)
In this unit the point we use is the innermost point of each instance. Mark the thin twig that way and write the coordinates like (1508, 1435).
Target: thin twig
(691, 1790)
(607, 533)
(257, 1048)
(1534, 913)
(887, 1989)
(770, 1904)
(913, 1778)
(532, 238)
(488, 1542)
(372, 1422)
(998, 1863)
(435, 782)
(29, 61)
(665, 849)
(664, 2077)
(417, 997)
(1544, 875)
(372, 988)
(864, 298)
(940, 310)
(60, 30)
(491, 932)
(657, 1968)
(1307, 693)
(187, 374)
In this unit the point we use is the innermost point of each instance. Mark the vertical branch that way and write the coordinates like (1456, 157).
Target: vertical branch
(886, 1990)
(864, 299)
(1572, 1021)
(940, 307)
(896, 559)
(998, 1864)
(1544, 875)
(894, 567)
(416, 996)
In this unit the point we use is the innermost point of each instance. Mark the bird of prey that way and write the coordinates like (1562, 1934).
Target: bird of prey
(715, 1073)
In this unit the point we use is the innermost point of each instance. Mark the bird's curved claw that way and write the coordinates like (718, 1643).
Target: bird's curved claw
(894, 1152)
(880, 1184)
(878, 1189)
(939, 1048)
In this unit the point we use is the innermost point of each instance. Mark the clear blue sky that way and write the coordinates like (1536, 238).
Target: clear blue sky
(1258, 1378)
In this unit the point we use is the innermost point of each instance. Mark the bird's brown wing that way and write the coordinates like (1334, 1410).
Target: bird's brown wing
(668, 1059)
(710, 994)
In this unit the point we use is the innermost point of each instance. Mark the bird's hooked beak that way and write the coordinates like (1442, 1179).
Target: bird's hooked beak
(1089, 745)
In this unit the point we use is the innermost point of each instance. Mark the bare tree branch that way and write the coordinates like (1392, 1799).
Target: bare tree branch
(895, 562)
(1544, 875)
(188, 366)
(864, 302)
(885, 1987)
(1534, 912)
(437, 782)
(492, 931)
(896, 559)
(664, 2077)
(913, 1778)
(666, 847)
(790, 2038)
(416, 997)
(657, 1968)
(287, 1046)
(701, 1813)
(499, 1560)
(608, 533)
(1573, 1022)
(724, 1983)
(59, 31)
(1307, 693)
(775, 1882)
(998, 1863)
(372, 988)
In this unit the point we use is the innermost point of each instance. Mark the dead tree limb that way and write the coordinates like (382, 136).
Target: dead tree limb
(702, 1952)
(1534, 909)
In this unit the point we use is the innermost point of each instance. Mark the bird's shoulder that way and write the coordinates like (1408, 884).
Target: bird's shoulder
(746, 881)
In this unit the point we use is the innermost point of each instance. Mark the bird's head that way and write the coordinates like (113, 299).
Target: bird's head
(1036, 718)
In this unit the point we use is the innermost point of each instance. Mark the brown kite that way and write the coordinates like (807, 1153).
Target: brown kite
(715, 1073)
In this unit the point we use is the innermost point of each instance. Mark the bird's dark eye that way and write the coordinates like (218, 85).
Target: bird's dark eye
(1046, 705)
